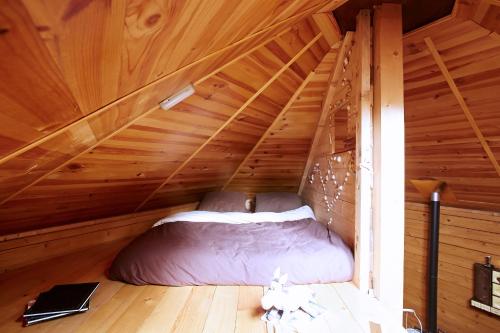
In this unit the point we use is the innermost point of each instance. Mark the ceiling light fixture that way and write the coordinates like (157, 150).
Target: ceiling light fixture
(177, 98)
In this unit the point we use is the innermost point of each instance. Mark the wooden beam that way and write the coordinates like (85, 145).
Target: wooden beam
(158, 81)
(244, 54)
(328, 26)
(116, 131)
(481, 11)
(270, 128)
(227, 122)
(333, 81)
(389, 159)
(364, 153)
(68, 161)
(456, 92)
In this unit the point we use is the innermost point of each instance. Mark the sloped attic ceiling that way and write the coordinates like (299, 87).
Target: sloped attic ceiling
(441, 142)
(82, 136)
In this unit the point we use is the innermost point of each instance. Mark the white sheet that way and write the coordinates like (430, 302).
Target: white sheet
(304, 212)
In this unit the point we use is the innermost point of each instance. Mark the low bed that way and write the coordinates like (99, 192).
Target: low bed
(207, 247)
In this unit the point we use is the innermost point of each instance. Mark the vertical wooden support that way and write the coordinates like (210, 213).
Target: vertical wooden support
(364, 153)
(389, 169)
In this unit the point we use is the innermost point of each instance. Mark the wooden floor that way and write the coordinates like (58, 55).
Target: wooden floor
(119, 307)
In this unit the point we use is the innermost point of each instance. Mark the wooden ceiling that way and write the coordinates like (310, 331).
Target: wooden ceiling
(442, 142)
(82, 137)
(81, 134)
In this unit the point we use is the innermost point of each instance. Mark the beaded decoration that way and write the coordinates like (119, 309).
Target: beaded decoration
(338, 185)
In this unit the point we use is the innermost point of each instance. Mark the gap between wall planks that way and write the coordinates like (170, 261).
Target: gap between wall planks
(270, 128)
(157, 81)
(456, 92)
(327, 105)
(17, 250)
(241, 109)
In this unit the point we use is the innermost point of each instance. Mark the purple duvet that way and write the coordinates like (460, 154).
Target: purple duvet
(186, 253)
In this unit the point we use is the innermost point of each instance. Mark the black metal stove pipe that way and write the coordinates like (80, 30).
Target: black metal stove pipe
(433, 263)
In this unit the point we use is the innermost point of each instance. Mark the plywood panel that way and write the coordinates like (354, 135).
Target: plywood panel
(466, 236)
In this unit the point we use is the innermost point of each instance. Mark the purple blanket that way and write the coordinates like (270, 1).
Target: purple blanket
(186, 253)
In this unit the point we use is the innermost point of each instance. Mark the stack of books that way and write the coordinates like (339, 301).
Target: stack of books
(60, 301)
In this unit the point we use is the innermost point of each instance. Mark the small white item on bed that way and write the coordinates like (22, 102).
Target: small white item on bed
(304, 212)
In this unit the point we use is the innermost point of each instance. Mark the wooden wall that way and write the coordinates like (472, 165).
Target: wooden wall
(17, 250)
(343, 213)
(339, 114)
(81, 133)
(466, 237)
(277, 164)
(443, 143)
(441, 140)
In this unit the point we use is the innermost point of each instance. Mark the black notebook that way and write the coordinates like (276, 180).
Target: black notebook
(63, 298)
(30, 320)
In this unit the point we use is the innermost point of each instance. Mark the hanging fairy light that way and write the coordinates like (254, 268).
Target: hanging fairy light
(332, 187)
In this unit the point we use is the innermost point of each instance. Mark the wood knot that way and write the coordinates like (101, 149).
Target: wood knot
(152, 20)
(75, 166)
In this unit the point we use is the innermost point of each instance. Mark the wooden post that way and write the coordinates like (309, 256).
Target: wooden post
(364, 153)
(389, 155)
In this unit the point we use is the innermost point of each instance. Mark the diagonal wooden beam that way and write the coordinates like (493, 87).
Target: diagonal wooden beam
(98, 142)
(465, 108)
(228, 121)
(270, 128)
(333, 81)
(117, 130)
(327, 24)
(109, 106)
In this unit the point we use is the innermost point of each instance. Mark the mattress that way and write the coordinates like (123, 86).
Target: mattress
(216, 253)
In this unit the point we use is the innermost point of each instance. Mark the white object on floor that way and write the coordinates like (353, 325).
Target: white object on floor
(289, 309)
(304, 212)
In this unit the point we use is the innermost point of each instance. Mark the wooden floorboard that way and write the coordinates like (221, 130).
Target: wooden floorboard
(119, 307)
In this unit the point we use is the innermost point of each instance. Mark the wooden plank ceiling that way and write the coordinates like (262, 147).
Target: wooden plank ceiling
(441, 140)
(81, 134)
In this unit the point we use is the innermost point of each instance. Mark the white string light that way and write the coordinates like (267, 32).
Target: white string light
(333, 162)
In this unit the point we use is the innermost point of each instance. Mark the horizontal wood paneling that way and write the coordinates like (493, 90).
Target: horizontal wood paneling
(117, 174)
(466, 237)
(279, 161)
(440, 141)
(216, 162)
(21, 249)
